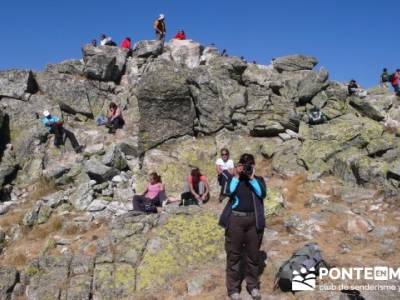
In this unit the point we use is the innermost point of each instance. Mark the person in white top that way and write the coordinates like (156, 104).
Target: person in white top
(105, 40)
(225, 168)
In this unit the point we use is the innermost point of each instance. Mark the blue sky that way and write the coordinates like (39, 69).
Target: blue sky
(352, 39)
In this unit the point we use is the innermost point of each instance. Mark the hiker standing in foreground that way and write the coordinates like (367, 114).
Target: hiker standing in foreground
(159, 26)
(244, 222)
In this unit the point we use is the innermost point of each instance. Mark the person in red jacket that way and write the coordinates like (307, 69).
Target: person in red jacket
(180, 35)
(395, 79)
(126, 43)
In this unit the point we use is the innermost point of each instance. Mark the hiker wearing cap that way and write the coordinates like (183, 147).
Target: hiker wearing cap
(244, 222)
(55, 126)
(180, 35)
(159, 26)
(126, 43)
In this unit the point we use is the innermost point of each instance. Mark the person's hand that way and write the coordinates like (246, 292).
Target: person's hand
(254, 173)
(238, 170)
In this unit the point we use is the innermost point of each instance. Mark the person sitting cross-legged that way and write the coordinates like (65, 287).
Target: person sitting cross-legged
(154, 196)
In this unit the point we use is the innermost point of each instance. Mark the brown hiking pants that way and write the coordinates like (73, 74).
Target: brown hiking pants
(242, 241)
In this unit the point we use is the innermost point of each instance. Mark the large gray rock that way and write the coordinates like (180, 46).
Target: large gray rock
(294, 63)
(185, 52)
(70, 67)
(374, 107)
(82, 195)
(148, 48)
(99, 172)
(312, 85)
(104, 62)
(208, 54)
(74, 95)
(8, 279)
(114, 157)
(165, 106)
(17, 84)
(8, 166)
(217, 93)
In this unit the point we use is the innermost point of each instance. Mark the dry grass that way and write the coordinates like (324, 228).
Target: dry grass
(17, 259)
(42, 188)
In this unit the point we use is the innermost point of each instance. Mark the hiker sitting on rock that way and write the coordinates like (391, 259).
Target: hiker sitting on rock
(180, 35)
(225, 168)
(154, 196)
(126, 43)
(114, 118)
(355, 90)
(160, 28)
(106, 41)
(316, 116)
(55, 126)
(197, 190)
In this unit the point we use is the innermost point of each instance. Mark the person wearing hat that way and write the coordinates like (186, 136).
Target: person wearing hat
(55, 126)
(244, 221)
(159, 26)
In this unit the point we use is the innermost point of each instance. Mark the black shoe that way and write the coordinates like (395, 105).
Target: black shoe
(112, 130)
(79, 149)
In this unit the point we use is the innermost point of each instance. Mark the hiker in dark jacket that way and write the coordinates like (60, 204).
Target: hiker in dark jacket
(244, 221)
(384, 78)
(114, 118)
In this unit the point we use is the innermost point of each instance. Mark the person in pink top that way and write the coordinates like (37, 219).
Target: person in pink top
(154, 195)
(197, 190)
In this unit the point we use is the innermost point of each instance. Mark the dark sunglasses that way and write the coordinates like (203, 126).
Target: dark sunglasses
(224, 154)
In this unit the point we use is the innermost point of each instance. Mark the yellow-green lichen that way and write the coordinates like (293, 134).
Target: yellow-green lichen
(184, 242)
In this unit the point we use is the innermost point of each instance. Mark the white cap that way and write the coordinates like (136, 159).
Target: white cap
(161, 17)
(46, 113)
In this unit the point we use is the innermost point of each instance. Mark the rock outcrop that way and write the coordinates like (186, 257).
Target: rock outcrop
(181, 103)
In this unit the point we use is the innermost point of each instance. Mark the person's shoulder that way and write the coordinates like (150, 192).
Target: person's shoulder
(219, 161)
(230, 162)
(260, 179)
(203, 178)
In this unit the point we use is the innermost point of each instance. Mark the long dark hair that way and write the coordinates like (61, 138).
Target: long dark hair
(196, 174)
(156, 177)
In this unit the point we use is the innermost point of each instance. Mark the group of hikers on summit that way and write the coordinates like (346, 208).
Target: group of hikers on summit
(160, 32)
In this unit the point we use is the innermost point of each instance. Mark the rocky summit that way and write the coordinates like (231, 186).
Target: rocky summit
(67, 229)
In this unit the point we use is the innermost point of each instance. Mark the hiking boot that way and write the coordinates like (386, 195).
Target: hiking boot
(235, 296)
(79, 149)
(255, 294)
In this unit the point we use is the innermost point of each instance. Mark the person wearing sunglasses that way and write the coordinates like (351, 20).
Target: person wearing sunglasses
(224, 166)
